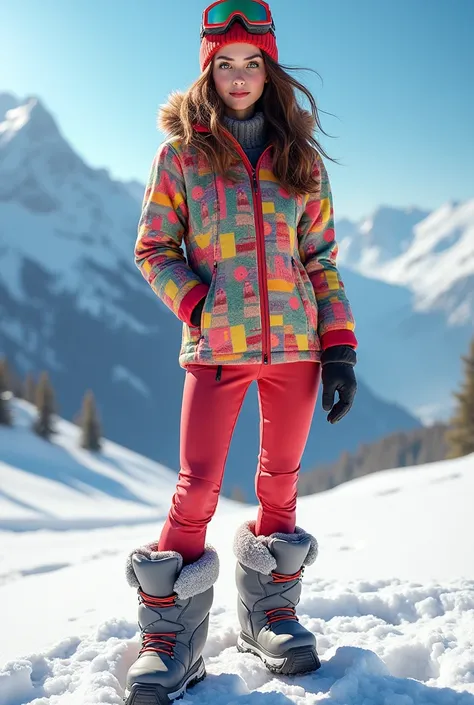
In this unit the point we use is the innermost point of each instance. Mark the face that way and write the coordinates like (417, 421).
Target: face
(239, 75)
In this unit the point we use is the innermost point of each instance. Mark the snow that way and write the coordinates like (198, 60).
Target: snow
(390, 598)
(60, 485)
(16, 118)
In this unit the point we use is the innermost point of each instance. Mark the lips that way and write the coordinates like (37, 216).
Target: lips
(240, 95)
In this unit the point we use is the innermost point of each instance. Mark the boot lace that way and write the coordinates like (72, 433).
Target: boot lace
(288, 612)
(160, 642)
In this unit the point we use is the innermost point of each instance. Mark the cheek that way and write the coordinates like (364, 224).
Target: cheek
(258, 82)
(219, 81)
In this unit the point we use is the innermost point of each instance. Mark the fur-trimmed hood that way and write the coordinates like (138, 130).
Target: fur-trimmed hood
(169, 118)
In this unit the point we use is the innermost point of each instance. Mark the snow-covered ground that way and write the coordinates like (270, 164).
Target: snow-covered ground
(390, 598)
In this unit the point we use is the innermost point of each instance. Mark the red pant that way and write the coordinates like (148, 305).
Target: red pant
(287, 396)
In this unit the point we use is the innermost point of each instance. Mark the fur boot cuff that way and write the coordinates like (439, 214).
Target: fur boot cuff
(193, 579)
(252, 551)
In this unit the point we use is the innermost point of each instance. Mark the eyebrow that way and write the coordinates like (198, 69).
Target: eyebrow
(247, 58)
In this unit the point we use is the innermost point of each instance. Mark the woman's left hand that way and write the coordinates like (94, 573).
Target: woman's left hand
(338, 376)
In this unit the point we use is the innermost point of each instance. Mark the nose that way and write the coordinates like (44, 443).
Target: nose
(239, 81)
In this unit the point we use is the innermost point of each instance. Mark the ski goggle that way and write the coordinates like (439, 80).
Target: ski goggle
(255, 15)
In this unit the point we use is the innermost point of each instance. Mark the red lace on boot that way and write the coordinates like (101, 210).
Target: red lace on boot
(160, 642)
(289, 612)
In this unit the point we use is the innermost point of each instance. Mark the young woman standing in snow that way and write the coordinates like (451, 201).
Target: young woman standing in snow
(241, 183)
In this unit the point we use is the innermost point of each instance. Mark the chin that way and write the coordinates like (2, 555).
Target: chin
(237, 104)
(244, 103)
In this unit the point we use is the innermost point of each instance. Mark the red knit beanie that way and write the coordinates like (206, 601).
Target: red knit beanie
(237, 33)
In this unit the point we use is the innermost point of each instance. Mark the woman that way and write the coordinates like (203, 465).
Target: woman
(241, 184)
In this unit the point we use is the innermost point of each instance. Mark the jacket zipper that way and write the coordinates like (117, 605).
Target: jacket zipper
(261, 257)
(263, 263)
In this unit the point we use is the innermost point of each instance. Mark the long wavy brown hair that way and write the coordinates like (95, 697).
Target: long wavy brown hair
(290, 128)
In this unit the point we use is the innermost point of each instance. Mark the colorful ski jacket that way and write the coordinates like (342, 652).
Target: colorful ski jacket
(264, 261)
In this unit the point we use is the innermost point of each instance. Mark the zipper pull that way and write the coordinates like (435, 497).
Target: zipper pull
(255, 182)
(219, 373)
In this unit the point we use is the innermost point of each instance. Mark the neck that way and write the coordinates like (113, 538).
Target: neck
(240, 114)
(250, 133)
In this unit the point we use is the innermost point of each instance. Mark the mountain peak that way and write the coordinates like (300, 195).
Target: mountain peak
(7, 102)
(430, 253)
(385, 234)
(32, 117)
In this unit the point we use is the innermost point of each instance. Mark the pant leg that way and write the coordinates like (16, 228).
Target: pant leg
(287, 398)
(209, 412)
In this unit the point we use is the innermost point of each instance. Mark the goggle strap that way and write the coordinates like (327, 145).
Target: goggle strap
(252, 29)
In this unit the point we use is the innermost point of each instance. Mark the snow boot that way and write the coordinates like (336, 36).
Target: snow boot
(268, 575)
(173, 616)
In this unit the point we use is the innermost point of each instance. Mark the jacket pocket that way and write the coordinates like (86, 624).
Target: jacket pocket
(309, 307)
(206, 313)
(215, 333)
(219, 338)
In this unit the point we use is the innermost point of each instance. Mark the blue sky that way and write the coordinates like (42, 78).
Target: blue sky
(396, 80)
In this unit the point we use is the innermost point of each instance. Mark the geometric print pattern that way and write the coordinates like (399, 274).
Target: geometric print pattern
(267, 257)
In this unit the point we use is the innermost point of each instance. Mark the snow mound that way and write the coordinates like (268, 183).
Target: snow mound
(394, 642)
(390, 598)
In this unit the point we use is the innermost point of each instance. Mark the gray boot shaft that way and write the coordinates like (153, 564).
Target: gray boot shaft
(185, 620)
(266, 601)
(268, 577)
(173, 616)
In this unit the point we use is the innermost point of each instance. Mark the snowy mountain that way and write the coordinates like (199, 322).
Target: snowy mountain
(390, 597)
(431, 254)
(412, 287)
(377, 239)
(73, 302)
(73, 221)
(7, 102)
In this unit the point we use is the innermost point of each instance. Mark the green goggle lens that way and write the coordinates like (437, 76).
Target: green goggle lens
(253, 11)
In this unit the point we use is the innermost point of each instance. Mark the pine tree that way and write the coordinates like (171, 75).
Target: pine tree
(6, 376)
(5, 395)
(45, 403)
(90, 424)
(460, 435)
(29, 393)
(13, 381)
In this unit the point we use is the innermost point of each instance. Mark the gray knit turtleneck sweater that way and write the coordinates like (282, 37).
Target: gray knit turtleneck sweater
(250, 133)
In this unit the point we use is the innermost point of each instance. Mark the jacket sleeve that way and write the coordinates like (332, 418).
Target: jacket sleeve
(163, 222)
(318, 252)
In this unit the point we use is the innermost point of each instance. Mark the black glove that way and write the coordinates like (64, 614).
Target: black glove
(338, 375)
(197, 313)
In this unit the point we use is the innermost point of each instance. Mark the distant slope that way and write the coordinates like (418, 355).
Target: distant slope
(56, 484)
(398, 450)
